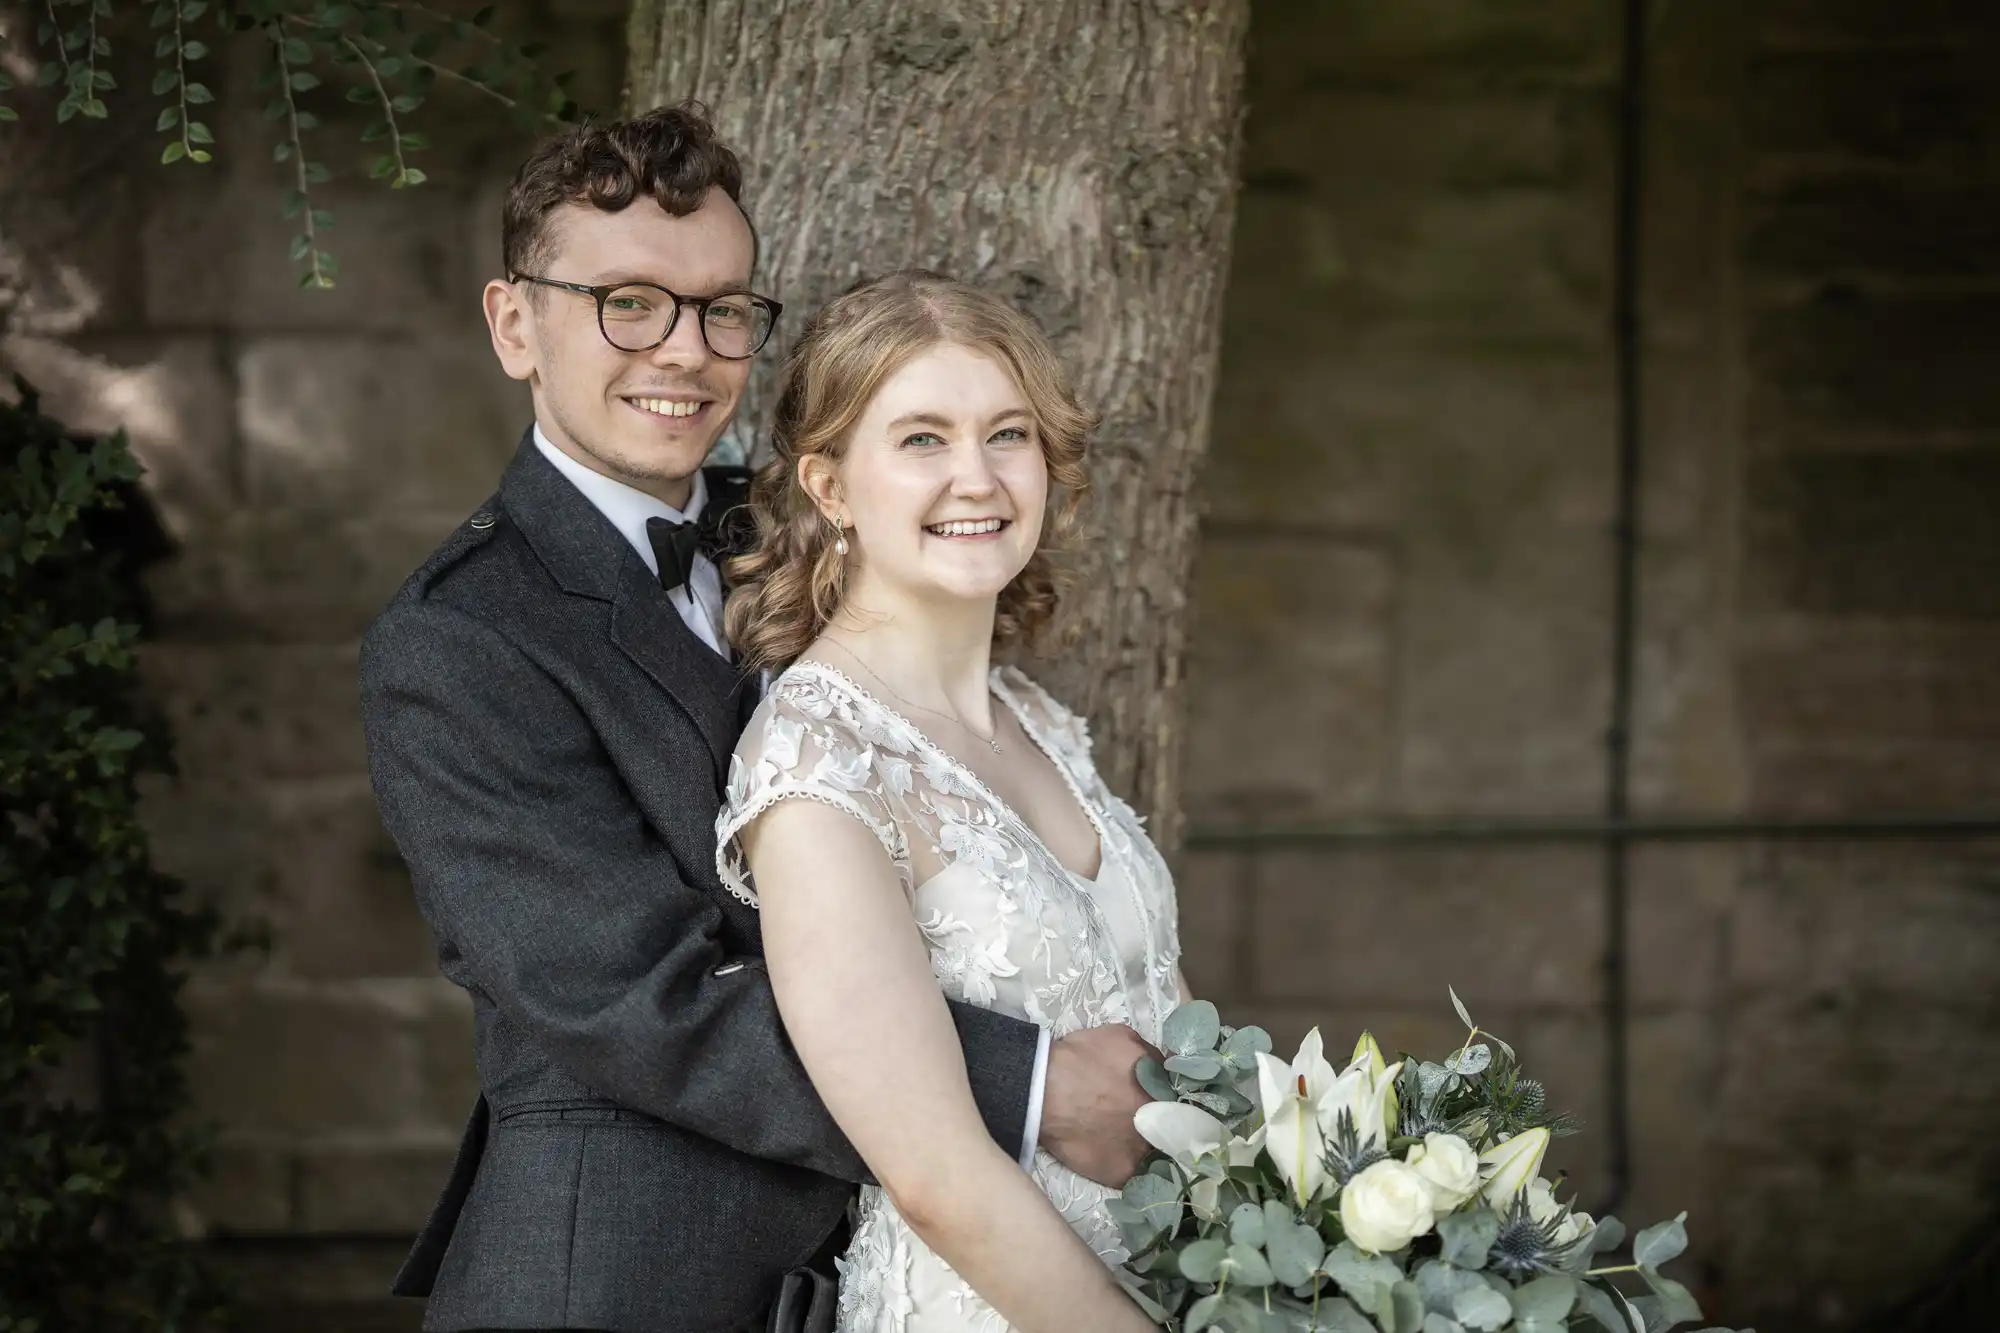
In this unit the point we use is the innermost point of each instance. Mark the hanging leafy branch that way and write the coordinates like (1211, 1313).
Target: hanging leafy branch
(388, 54)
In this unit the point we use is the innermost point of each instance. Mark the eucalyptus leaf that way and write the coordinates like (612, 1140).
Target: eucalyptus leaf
(1246, 1225)
(1155, 1197)
(1295, 1250)
(1482, 1308)
(1365, 1277)
(1153, 1078)
(1676, 1301)
(1202, 1312)
(1547, 1299)
(1439, 1284)
(1192, 1029)
(1660, 1242)
(1437, 1323)
(1472, 1060)
(1406, 1308)
(1651, 1312)
(1607, 1235)
(1338, 1315)
(1200, 1067)
(1241, 1048)
(1468, 1236)
(1595, 1300)
(1459, 1005)
(1248, 1266)
(1202, 1261)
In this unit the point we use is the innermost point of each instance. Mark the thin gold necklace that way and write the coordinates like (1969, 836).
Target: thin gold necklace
(992, 742)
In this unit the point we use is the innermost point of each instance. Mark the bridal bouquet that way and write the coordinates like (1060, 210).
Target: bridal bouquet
(1378, 1198)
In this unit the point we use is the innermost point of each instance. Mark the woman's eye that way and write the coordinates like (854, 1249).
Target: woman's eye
(1012, 434)
(920, 440)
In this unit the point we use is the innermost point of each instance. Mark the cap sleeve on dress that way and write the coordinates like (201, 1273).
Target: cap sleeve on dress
(795, 750)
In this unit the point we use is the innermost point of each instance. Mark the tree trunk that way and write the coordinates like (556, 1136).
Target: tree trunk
(1079, 155)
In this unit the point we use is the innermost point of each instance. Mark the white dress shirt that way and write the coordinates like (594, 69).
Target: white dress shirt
(699, 603)
(699, 600)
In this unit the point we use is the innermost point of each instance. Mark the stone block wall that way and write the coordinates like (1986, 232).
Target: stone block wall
(306, 450)
(1405, 598)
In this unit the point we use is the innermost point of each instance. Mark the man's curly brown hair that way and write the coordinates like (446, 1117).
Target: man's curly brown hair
(790, 584)
(671, 155)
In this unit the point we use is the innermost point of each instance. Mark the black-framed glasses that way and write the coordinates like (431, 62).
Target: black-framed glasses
(639, 316)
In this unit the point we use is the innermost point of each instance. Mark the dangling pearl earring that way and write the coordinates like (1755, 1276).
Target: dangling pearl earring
(839, 536)
(840, 546)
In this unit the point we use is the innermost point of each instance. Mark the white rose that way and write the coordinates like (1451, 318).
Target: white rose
(1386, 1207)
(1449, 1166)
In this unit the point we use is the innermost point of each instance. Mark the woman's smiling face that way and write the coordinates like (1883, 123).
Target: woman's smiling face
(943, 480)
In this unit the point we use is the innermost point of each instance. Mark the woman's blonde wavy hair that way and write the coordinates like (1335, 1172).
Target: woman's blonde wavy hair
(791, 582)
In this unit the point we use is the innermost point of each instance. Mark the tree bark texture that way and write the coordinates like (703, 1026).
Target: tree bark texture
(1077, 155)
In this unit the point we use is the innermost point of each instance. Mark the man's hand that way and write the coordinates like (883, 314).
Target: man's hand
(1088, 1101)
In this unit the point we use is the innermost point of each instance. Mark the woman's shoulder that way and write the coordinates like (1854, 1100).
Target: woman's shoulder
(814, 700)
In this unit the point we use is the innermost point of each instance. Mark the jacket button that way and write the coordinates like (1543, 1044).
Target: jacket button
(480, 521)
(726, 969)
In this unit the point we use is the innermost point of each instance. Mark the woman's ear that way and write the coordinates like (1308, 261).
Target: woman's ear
(817, 477)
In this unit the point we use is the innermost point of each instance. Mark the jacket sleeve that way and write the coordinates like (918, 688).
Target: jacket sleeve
(542, 881)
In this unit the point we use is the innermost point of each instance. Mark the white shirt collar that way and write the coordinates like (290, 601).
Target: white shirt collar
(626, 507)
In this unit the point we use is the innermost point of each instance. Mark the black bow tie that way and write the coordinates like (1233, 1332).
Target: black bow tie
(718, 532)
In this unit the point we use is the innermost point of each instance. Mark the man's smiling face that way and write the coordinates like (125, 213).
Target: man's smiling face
(647, 419)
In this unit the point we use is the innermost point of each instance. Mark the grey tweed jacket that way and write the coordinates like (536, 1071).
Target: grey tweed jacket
(548, 744)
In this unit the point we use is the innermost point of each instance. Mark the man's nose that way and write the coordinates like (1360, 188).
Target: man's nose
(684, 347)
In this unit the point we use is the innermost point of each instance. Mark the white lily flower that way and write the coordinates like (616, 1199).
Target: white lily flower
(1204, 1196)
(1291, 1117)
(1367, 1095)
(1183, 1132)
(1509, 1167)
(1379, 1069)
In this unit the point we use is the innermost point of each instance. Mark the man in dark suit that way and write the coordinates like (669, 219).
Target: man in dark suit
(550, 710)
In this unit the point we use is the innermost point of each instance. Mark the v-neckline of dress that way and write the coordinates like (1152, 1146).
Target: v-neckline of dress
(998, 689)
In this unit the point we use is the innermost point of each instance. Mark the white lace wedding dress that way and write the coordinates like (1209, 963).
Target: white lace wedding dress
(1009, 928)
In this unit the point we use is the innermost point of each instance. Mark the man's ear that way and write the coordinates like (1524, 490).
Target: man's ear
(510, 321)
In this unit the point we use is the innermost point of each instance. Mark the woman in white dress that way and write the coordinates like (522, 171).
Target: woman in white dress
(914, 822)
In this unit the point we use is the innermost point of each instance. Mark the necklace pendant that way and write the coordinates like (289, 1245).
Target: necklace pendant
(995, 744)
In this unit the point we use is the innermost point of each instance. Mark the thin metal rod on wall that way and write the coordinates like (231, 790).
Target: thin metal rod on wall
(1625, 610)
(1683, 828)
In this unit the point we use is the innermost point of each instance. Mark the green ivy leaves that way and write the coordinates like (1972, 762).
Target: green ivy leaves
(386, 54)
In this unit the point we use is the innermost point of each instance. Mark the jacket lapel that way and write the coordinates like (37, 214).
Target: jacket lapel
(646, 627)
(588, 557)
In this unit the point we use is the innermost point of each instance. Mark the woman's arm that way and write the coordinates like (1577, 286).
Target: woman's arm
(855, 988)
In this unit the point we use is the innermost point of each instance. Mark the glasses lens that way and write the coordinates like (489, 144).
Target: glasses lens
(736, 325)
(636, 318)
